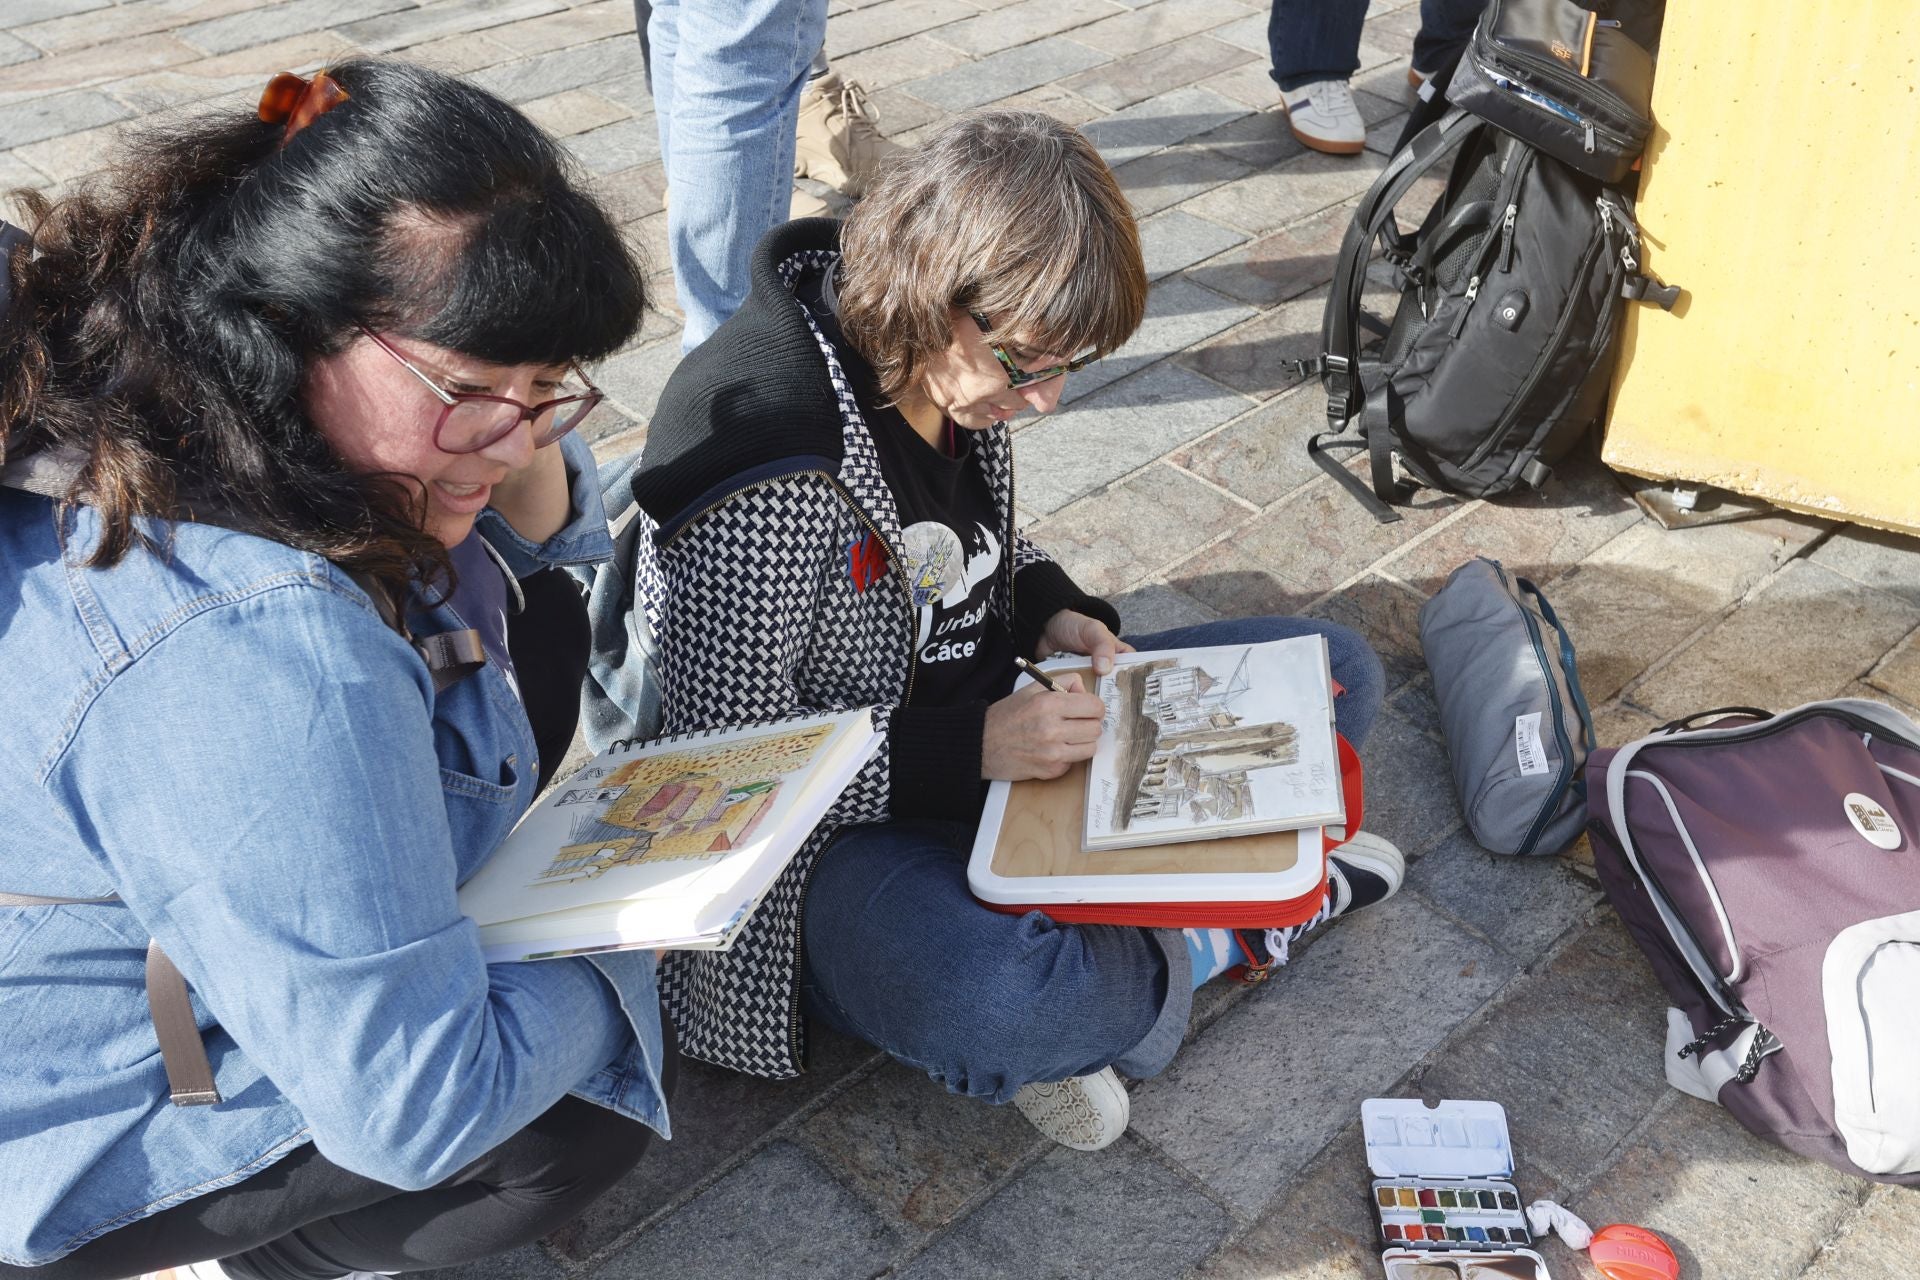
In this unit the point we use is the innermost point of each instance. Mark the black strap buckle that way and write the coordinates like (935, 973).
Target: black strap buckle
(1647, 289)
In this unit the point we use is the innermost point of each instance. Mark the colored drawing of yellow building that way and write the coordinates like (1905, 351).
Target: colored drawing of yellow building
(692, 804)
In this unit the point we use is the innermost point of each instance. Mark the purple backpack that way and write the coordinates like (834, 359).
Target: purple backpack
(1769, 866)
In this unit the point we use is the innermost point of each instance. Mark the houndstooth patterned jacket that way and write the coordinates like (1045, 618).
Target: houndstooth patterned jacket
(782, 594)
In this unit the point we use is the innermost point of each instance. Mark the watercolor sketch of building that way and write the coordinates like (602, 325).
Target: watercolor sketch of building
(692, 804)
(1184, 754)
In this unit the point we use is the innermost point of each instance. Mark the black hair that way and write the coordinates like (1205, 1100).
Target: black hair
(163, 327)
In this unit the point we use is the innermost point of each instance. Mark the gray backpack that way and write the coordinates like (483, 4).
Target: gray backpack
(1769, 867)
(1517, 726)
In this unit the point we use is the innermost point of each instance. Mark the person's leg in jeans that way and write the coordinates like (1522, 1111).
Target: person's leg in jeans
(1316, 48)
(901, 955)
(726, 83)
(1313, 40)
(1445, 28)
(306, 1218)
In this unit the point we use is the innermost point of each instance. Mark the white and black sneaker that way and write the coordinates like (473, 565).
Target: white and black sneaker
(1082, 1112)
(1365, 870)
(1323, 115)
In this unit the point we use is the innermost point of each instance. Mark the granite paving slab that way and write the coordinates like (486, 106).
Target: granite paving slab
(1103, 542)
(918, 1155)
(1537, 535)
(1308, 544)
(1252, 1101)
(1696, 1177)
(1809, 633)
(1119, 1214)
(1177, 174)
(779, 1214)
(999, 75)
(1179, 314)
(1176, 239)
(1283, 265)
(1387, 614)
(51, 116)
(1572, 1051)
(1117, 430)
(1158, 607)
(1268, 199)
(1523, 905)
(1321, 1229)
(1157, 23)
(1409, 790)
(1262, 456)
(1161, 121)
(718, 1116)
(1875, 557)
(1877, 1241)
(1154, 71)
(1019, 23)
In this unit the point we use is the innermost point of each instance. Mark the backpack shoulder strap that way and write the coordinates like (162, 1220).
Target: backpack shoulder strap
(1347, 396)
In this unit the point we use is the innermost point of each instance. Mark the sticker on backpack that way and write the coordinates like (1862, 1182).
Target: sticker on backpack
(1527, 747)
(1871, 819)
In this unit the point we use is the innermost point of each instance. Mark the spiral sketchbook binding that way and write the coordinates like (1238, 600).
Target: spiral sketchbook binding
(714, 731)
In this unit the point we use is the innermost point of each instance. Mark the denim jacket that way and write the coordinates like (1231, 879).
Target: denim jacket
(225, 734)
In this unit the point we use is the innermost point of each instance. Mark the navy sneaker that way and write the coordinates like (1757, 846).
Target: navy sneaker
(1363, 871)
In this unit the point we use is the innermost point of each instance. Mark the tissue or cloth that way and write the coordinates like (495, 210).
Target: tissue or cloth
(1545, 1215)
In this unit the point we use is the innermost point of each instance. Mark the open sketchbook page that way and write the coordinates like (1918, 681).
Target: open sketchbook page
(1203, 743)
(668, 842)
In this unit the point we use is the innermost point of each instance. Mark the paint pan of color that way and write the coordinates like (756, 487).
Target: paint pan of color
(1443, 1191)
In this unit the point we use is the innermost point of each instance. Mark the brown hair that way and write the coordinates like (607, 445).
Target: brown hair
(1008, 213)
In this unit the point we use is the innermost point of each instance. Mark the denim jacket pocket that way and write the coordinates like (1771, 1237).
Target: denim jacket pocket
(453, 782)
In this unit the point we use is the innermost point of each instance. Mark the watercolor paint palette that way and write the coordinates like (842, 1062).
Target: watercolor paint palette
(1443, 1191)
(1416, 1211)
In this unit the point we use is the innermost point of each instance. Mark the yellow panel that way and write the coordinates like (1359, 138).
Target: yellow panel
(1779, 190)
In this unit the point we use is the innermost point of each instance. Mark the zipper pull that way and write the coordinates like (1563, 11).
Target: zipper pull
(1506, 237)
(1466, 305)
(1588, 125)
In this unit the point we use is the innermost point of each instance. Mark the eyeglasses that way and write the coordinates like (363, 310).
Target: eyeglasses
(1018, 377)
(469, 423)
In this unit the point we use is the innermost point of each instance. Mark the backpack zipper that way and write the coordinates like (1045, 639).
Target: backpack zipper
(1547, 353)
(1559, 724)
(1572, 83)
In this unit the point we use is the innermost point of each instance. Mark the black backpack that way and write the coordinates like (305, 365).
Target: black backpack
(1499, 356)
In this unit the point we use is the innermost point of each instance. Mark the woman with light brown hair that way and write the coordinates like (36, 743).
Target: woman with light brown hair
(832, 479)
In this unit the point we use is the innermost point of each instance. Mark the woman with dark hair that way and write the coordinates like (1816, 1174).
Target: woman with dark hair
(284, 408)
(833, 482)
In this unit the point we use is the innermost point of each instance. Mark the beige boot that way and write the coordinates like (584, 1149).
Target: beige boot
(838, 141)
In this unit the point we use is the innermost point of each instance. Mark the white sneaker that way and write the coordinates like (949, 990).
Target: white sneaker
(1324, 116)
(1083, 1112)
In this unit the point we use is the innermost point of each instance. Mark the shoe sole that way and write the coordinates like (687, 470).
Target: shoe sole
(1064, 1113)
(1324, 145)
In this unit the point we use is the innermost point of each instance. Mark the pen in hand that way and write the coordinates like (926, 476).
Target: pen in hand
(1040, 677)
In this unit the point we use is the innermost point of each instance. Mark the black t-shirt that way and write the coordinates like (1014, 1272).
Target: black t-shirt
(952, 545)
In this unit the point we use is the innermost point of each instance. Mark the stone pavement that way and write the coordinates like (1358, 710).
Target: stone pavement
(1174, 481)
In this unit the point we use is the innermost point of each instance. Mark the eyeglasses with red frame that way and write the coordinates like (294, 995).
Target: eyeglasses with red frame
(469, 423)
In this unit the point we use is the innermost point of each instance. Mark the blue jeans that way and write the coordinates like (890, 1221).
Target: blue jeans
(901, 955)
(726, 85)
(1320, 39)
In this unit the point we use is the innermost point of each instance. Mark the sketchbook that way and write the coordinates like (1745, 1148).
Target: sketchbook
(1029, 853)
(1197, 744)
(669, 843)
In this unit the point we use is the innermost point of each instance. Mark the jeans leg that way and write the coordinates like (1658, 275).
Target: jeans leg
(728, 106)
(1445, 28)
(900, 954)
(1314, 40)
(642, 14)
(1354, 663)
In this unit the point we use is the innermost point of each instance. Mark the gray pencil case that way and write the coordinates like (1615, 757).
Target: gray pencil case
(1517, 726)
